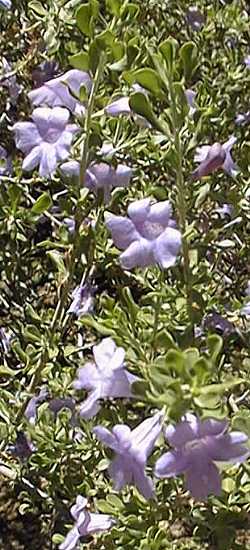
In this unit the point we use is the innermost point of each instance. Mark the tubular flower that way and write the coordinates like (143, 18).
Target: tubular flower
(46, 140)
(132, 448)
(197, 445)
(213, 157)
(147, 236)
(104, 378)
(100, 176)
(86, 524)
(56, 92)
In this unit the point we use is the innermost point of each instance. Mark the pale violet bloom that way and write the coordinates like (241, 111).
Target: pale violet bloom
(197, 445)
(132, 449)
(45, 141)
(5, 163)
(195, 18)
(190, 97)
(104, 378)
(147, 236)
(245, 310)
(56, 92)
(33, 404)
(100, 176)
(6, 4)
(86, 523)
(83, 300)
(247, 61)
(213, 157)
(9, 81)
(243, 118)
(23, 448)
(121, 107)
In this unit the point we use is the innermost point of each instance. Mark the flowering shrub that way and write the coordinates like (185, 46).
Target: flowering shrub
(124, 218)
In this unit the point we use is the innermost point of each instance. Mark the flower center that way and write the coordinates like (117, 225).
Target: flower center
(52, 135)
(151, 230)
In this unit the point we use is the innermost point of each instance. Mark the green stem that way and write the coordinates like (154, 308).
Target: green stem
(79, 216)
(182, 206)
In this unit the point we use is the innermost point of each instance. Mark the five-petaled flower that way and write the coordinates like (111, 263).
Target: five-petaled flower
(100, 175)
(197, 445)
(46, 140)
(213, 157)
(105, 378)
(147, 236)
(56, 92)
(86, 524)
(132, 448)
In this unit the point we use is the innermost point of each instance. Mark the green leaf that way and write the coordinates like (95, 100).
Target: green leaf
(165, 340)
(80, 61)
(148, 78)
(38, 8)
(215, 345)
(42, 204)
(189, 59)
(114, 6)
(86, 15)
(168, 49)
(140, 104)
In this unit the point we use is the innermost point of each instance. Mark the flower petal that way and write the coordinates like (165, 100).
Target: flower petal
(138, 211)
(26, 136)
(122, 230)
(90, 406)
(203, 479)
(160, 213)
(138, 254)
(71, 540)
(118, 107)
(171, 464)
(106, 437)
(33, 158)
(167, 247)
(186, 430)
(145, 435)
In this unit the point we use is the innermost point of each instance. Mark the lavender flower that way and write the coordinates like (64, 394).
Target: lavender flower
(225, 210)
(104, 378)
(100, 176)
(10, 82)
(56, 92)
(45, 141)
(83, 300)
(6, 4)
(44, 72)
(22, 448)
(195, 18)
(243, 118)
(86, 524)
(5, 163)
(197, 445)
(147, 236)
(213, 157)
(34, 402)
(132, 449)
(121, 107)
(245, 310)
(190, 97)
(247, 61)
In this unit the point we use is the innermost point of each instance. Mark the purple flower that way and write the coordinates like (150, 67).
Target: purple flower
(104, 378)
(225, 210)
(197, 445)
(132, 448)
(22, 448)
(45, 141)
(147, 236)
(190, 97)
(121, 107)
(56, 92)
(195, 18)
(9, 81)
(213, 157)
(34, 402)
(5, 163)
(83, 300)
(86, 524)
(5, 4)
(247, 61)
(243, 118)
(215, 321)
(100, 176)
(245, 310)
(44, 72)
